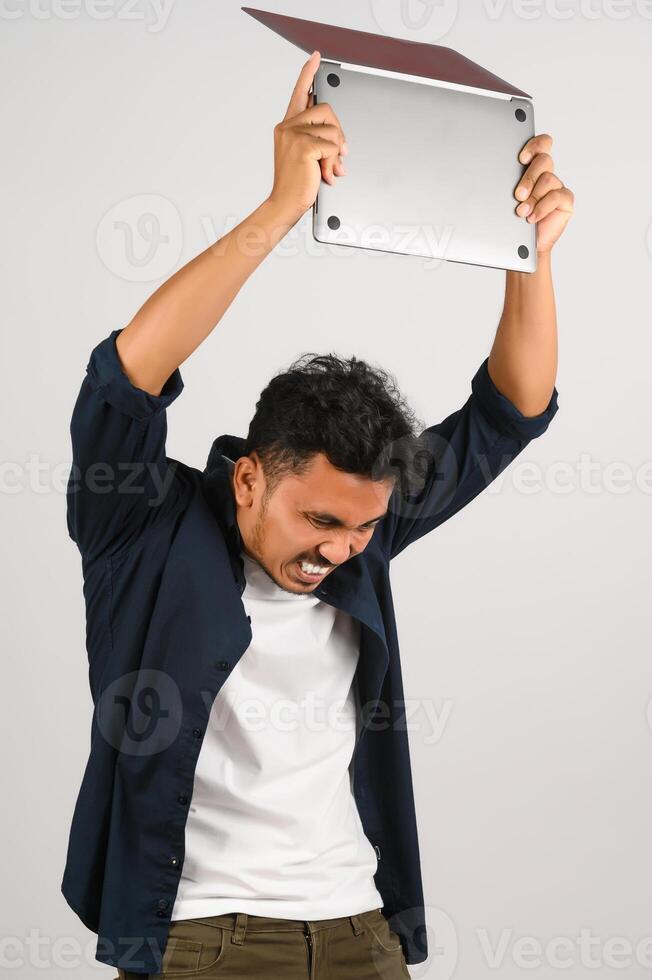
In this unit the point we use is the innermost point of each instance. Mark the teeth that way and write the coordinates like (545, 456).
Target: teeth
(312, 569)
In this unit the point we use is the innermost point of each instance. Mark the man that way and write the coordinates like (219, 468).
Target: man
(204, 842)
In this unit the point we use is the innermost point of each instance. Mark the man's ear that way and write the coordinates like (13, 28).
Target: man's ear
(257, 467)
(246, 473)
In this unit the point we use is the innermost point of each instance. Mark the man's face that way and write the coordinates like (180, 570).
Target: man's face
(322, 516)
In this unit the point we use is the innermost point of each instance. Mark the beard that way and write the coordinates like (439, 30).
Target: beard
(257, 542)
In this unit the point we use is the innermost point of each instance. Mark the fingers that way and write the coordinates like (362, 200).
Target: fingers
(331, 167)
(538, 180)
(332, 163)
(300, 94)
(321, 114)
(541, 163)
(546, 183)
(325, 131)
(536, 152)
(538, 144)
(325, 151)
(561, 199)
(320, 149)
(314, 118)
(542, 194)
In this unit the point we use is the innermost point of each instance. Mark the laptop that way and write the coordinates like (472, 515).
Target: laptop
(434, 140)
(431, 170)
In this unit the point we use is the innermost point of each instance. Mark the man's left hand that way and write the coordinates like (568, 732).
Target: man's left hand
(544, 198)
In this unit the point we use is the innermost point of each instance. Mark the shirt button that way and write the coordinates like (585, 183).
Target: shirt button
(223, 664)
(174, 861)
(182, 799)
(197, 732)
(162, 904)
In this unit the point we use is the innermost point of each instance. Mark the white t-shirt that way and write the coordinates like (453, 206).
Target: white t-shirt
(273, 828)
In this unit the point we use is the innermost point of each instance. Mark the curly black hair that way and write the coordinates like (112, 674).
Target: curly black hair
(343, 407)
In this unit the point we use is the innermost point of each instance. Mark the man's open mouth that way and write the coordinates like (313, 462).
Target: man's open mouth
(310, 573)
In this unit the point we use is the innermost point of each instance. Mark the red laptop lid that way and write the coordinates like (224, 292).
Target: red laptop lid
(386, 53)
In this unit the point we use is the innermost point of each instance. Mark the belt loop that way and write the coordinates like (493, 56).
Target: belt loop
(355, 923)
(240, 928)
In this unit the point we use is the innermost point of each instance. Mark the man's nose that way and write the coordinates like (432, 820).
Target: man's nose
(335, 552)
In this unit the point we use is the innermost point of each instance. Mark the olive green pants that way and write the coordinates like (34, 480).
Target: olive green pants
(237, 946)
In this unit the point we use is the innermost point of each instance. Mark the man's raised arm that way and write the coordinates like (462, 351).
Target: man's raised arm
(523, 359)
(184, 310)
(121, 481)
(513, 396)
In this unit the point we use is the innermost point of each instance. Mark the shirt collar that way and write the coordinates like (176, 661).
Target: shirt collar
(216, 481)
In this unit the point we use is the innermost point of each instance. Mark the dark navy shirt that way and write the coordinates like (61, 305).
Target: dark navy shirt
(165, 624)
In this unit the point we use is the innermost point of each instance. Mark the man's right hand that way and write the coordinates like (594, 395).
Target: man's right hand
(308, 144)
(182, 312)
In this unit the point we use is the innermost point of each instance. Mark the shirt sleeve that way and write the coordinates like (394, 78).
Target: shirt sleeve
(454, 460)
(121, 481)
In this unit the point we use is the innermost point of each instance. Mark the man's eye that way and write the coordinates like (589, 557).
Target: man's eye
(363, 527)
